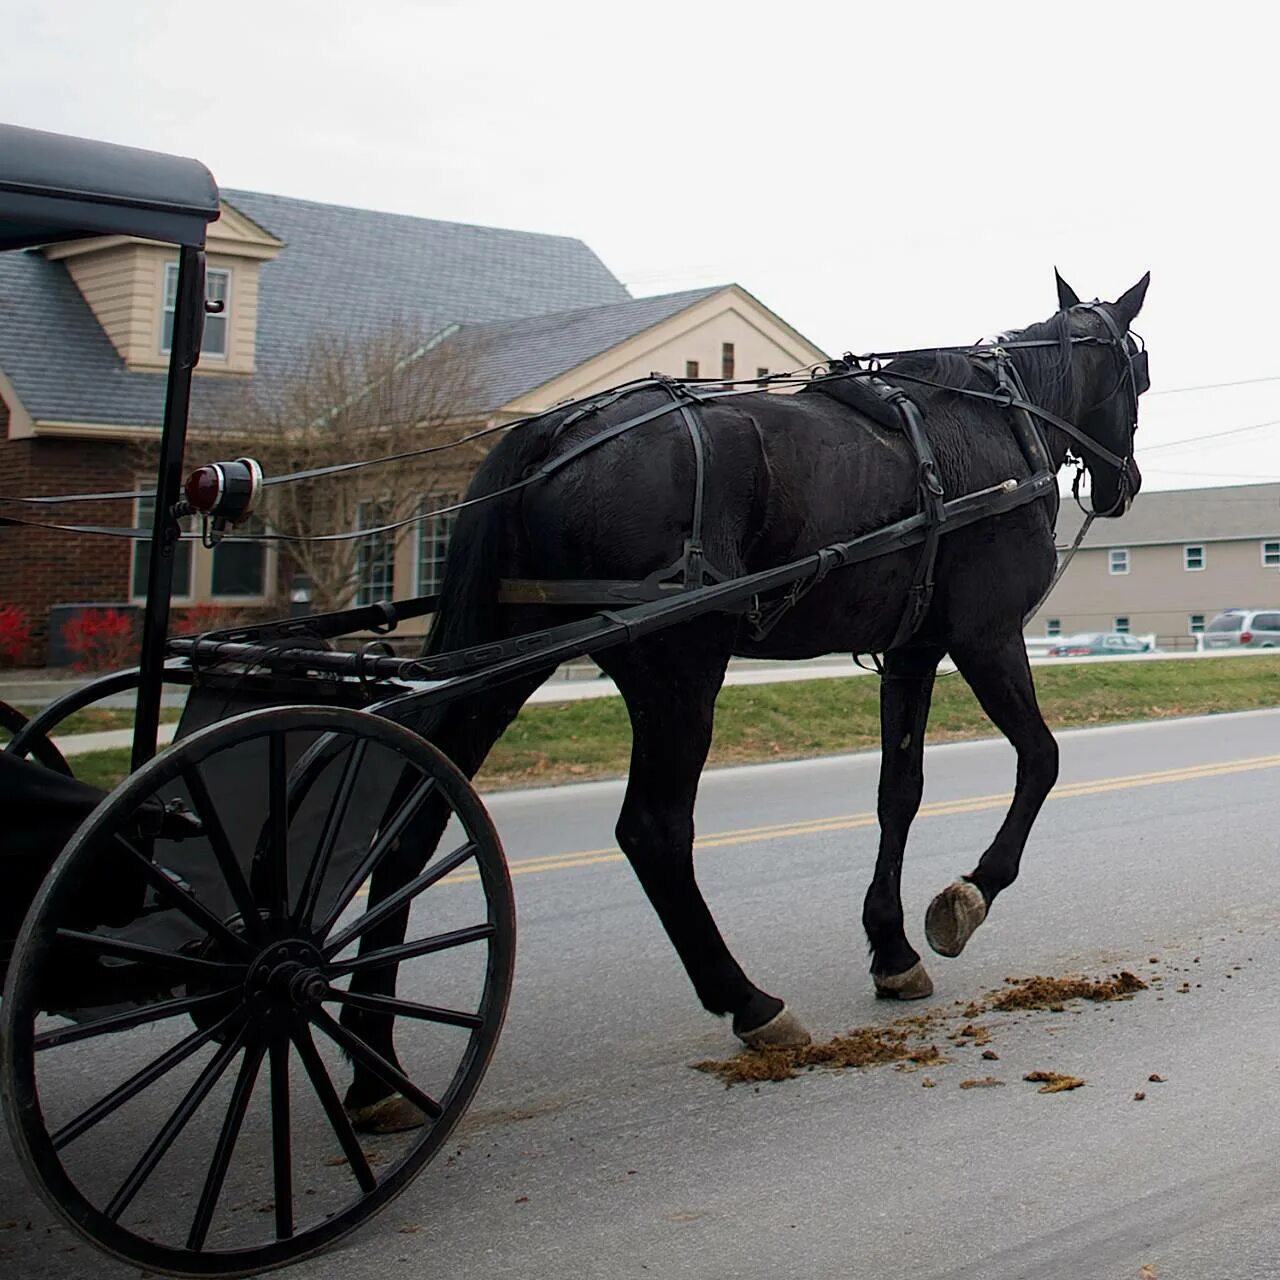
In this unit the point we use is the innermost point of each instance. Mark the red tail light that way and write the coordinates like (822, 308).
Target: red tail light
(1246, 637)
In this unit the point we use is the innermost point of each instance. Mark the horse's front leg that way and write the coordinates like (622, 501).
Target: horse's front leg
(905, 692)
(1000, 677)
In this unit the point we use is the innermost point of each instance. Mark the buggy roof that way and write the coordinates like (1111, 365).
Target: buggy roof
(53, 187)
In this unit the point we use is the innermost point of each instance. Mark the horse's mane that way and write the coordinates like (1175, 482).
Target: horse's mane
(928, 376)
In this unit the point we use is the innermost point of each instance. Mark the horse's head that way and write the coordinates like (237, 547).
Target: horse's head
(1111, 367)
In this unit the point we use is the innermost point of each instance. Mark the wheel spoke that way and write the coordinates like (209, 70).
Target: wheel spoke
(375, 915)
(173, 1127)
(223, 853)
(319, 865)
(408, 951)
(186, 901)
(328, 1095)
(126, 1021)
(407, 1009)
(378, 850)
(281, 1147)
(191, 966)
(386, 1071)
(138, 1082)
(278, 825)
(221, 1161)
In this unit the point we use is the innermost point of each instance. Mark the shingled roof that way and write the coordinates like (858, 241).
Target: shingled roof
(1182, 515)
(515, 356)
(342, 270)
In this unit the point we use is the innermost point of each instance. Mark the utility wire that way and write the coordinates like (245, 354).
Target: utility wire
(1212, 435)
(1214, 386)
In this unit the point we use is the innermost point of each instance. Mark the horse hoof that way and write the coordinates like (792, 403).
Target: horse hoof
(914, 984)
(783, 1031)
(953, 916)
(390, 1115)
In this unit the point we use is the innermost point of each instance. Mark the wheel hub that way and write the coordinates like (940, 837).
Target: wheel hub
(287, 975)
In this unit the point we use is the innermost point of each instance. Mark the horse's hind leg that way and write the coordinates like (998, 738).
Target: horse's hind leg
(670, 682)
(1000, 677)
(466, 735)
(905, 693)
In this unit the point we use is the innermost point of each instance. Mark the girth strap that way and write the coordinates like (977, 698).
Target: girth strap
(932, 506)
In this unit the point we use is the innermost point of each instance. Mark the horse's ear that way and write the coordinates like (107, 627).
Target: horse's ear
(1066, 294)
(1129, 304)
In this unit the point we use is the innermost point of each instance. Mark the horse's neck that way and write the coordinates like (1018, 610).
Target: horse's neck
(1062, 403)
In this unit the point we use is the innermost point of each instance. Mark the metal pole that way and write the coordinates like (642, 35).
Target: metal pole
(188, 330)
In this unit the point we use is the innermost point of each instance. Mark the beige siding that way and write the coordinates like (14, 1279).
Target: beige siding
(242, 336)
(1158, 595)
(760, 341)
(116, 285)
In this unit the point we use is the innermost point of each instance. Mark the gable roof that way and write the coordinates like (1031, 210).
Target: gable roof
(348, 271)
(356, 272)
(512, 357)
(1182, 516)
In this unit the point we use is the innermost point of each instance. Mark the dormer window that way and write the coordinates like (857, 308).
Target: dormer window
(217, 288)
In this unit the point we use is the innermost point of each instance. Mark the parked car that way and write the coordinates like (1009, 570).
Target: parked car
(1114, 643)
(1244, 629)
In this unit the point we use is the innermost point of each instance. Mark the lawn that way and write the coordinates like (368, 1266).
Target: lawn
(563, 742)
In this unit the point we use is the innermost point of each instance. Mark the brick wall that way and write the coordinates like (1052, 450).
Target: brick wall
(40, 568)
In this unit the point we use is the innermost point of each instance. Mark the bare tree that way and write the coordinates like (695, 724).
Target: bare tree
(351, 400)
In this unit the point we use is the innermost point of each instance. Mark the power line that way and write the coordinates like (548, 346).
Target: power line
(1215, 386)
(1212, 435)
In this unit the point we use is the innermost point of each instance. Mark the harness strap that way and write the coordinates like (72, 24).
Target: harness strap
(932, 505)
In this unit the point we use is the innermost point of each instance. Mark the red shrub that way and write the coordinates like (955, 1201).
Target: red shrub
(15, 632)
(101, 641)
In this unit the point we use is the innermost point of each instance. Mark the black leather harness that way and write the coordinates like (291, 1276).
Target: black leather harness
(858, 388)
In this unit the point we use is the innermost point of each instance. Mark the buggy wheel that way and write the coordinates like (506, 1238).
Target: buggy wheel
(171, 1073)
(12, 722)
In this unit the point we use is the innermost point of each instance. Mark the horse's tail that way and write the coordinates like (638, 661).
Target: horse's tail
(468, 609)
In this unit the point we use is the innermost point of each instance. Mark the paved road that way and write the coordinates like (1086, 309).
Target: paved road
(593, 1150)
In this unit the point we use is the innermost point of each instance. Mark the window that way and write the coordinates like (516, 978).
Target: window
(1118, 560)
(240, 568)
(375, 556)
(1195, 624)
(690, 368)
(1193, 557)
(1052, 627)
(1271, 555)
(217, 288)
(726, 360)
(761, 371)
(433, 542)
(1122, 626)
(145, 515)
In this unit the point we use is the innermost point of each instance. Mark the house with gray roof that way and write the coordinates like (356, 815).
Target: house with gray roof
(1167, 566)
(84, 329)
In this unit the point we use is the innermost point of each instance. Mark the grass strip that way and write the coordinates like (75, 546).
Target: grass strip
(571, 741)
(101, 719)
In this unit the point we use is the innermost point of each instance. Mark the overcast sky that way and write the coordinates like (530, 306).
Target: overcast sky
(880, 175)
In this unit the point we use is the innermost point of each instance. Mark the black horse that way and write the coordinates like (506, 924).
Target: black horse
(784, 475)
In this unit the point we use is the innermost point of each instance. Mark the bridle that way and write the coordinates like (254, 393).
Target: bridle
(1133, 379)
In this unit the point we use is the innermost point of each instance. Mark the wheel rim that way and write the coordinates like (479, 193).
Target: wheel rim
(12, 721)
(187, 1118)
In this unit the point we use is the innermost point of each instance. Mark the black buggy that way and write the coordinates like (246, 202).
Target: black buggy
(184, 956)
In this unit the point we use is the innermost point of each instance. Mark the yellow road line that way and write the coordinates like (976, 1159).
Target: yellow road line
(849, 822)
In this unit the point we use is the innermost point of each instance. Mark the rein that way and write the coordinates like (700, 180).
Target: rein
(683, 392)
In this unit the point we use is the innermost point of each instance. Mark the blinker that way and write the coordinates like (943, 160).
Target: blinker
(1141, 378)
